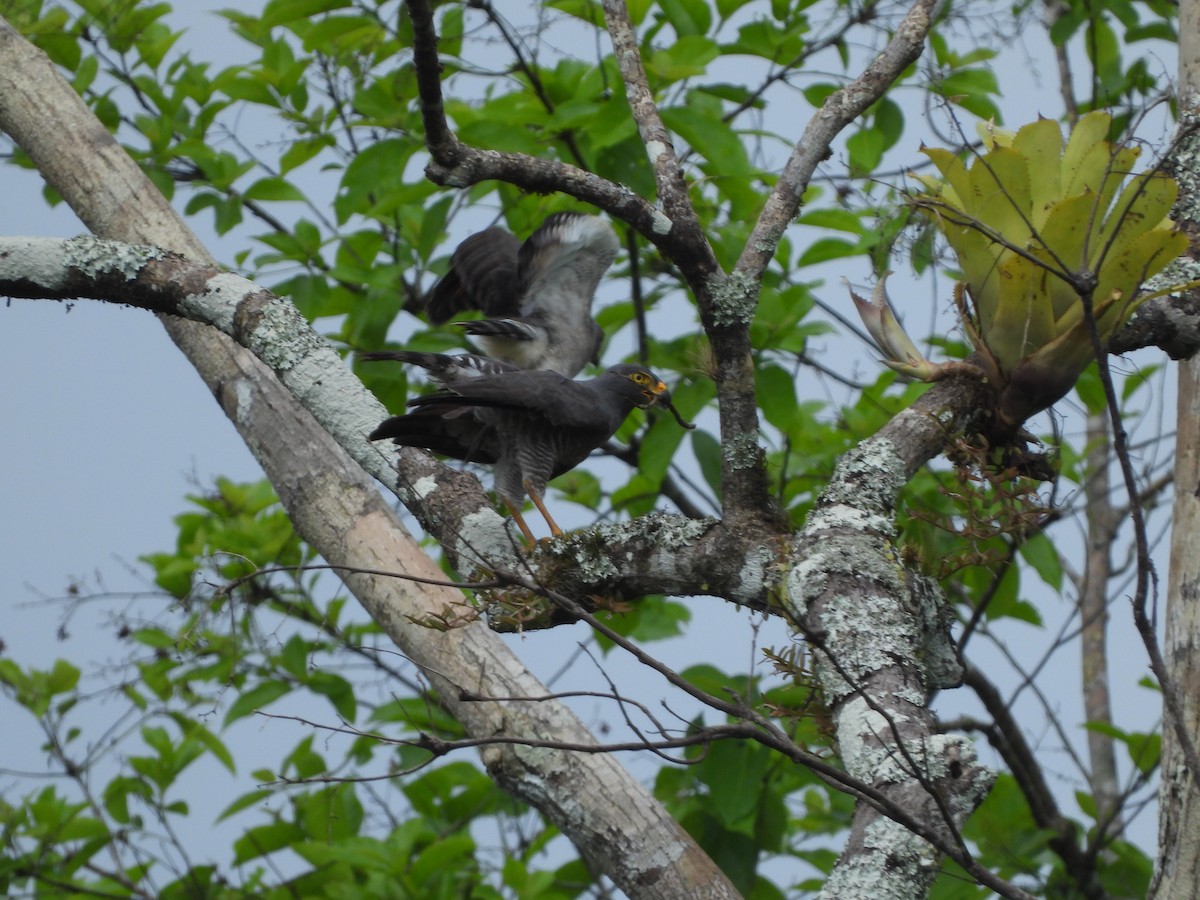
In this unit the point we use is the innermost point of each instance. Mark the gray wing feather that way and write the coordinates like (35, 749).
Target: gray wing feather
(484, 275)
(537, 295)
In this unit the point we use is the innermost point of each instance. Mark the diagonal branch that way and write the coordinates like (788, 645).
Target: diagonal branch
(668, 174)
(840, 108)
(611, 817)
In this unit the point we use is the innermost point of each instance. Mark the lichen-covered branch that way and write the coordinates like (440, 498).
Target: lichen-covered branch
(1171, 323)
(880, 645)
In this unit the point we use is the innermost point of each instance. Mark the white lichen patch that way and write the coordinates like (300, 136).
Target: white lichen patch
(868, 477)
(93, 256)
(735, 298)
(590, 553)
(866, 635)
(656, 150)
(672, 533)
(742, 451)
(38, 260)
(423, 487)
(843, 517)
(284, 340)
(245, 392)
(872, 603)
(888, 870)
(1180, 272)
(218, 303)
(483, 539)
(869, 752)
(754, 574)
(661, 223)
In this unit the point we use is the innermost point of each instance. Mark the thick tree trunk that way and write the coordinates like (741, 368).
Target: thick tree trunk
(1093, 614)
(1178, 874)
(611, 817)
(1178, 870)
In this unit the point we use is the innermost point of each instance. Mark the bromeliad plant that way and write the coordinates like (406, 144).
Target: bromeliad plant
(1045, 236)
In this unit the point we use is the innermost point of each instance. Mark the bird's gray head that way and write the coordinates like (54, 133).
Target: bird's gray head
(648, 389)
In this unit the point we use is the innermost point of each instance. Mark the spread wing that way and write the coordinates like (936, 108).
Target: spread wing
(562, 263)
(484, 275)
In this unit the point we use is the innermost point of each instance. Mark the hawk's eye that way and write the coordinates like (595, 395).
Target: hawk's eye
(640, 377)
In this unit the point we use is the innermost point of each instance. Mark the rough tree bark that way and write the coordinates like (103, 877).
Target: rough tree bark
(1177, 875)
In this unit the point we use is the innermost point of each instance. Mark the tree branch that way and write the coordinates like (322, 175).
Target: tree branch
(840, 108)
(454, 164)
(881, 644)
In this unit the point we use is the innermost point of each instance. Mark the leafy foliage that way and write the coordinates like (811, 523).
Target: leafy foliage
(325, 201)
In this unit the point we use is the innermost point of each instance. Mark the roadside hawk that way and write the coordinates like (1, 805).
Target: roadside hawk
(530, 426)
(537, 296)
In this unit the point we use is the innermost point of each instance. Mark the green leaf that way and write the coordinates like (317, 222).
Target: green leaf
(865, 148)
(973, 90)
(734, 772)
(261, 695)
(273, 189)
(247, 800)
(62, 677)
(281, 12)
(706, 133)
(211, 743)
(1091, 390)
(337, 690)
(687, 57)
(1039, 551)
(827, 249)
(707, 678)
(777, 396)
(263, 840)
(332, 814)
(687, 17)
(835, 218)
(653, 618)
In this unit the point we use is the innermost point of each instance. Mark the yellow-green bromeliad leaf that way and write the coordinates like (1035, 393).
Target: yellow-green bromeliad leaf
(1040, 143)
(1032, 222)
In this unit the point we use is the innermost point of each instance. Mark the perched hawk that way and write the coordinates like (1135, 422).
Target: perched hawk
(537, 296)
(531, 426)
